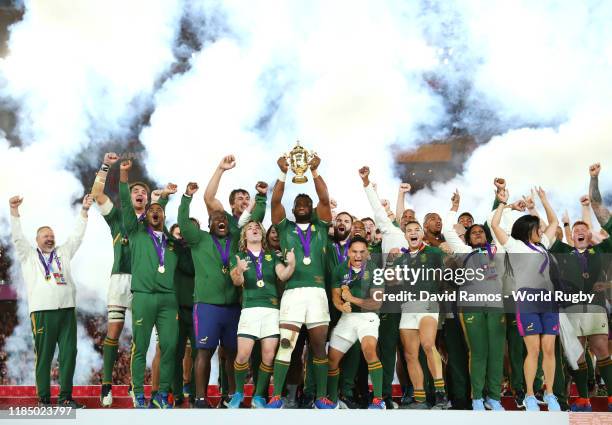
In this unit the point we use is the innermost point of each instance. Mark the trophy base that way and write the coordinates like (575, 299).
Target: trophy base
(299, 179)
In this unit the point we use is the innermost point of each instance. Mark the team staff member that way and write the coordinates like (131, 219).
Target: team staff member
(354, 295)
(154, 258)
(119, 296)
(304, 300)
(256, 270)
(216, 310)
(51, 296)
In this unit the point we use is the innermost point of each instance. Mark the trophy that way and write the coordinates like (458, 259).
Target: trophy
(299, 161)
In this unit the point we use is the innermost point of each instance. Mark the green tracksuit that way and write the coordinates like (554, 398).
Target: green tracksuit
(457, 367)
(51, 328)
(154, 299)
(121, 265)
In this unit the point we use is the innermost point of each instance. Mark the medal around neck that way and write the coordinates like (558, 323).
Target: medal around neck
(161, 269)
(260, 283)
(306, 261)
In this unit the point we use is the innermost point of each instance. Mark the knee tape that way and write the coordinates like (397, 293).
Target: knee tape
(287, 344)
(116, 314)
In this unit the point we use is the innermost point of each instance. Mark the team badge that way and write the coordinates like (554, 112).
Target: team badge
(268, 257)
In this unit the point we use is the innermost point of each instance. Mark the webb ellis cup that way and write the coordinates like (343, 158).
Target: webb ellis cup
(299, 161)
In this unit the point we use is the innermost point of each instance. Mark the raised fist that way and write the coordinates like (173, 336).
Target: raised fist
(364, 172)
(585, 200)
(155, 195)
(170, 189)
(456, 198)
(594, 169)
(283, 164)
(110, 158)
(314, 163)
(15, 201)
(126, 165)
(227, 163)
(499, 183)
(192, 187)
(261, 187)
(405, 188)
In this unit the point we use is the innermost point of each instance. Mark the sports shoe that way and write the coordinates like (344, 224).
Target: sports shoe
(581, 405)
(478, 404)
(70, 402)
(325, 403)
(531, 404)
(406, 400)
(160, 400)
(519, 397)
(258, 402)
(441, 401)
(494, 405)
(275, 402)
(418, 405)
(106, 395)
(186, 390)
(202, 403)
(390, 403)
(139, 401)
(305, 401)
(224, 402)
(236, 400)
(44, 402)
(348, 403)
(290, 403)
(610, 404)
(553, 404)
(377, 403)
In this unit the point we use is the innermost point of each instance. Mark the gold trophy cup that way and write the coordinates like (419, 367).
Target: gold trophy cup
(299, 161)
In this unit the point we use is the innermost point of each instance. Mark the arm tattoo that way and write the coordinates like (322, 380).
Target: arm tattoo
(601, 213)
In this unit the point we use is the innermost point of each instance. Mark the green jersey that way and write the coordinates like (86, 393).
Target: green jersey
(145, 263)
(608, 227)
(254, 295)
(428, 260)
(305, 275)
(336, 253)
(213, 284)
(375, 250)
(359, 281)
(121, 249)
(580, 271)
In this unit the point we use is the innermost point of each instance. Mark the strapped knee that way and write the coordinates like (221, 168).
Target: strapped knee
(287, 344)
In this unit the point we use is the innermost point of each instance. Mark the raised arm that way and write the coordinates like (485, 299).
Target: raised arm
(212, 203)
(585, 202)
(97, 190)
(567, 230)
(601, 212)
(324, 205)
(278, 211)
(500, 234)
(22, 248)
(127, 210)
(73, 243)
(553, 223)
(448, 228)
(259, 211)
(191, 233)
(400, 205)
(383, 222)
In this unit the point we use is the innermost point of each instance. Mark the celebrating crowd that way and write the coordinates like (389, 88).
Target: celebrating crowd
(260, 298)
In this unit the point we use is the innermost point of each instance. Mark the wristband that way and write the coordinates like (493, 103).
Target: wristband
(282, 176)
(104, 168)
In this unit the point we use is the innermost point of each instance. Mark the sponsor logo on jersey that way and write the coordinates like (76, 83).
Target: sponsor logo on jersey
(530, 326)
(469, 319)
(139, 322)
(268, 257)
(203, 340)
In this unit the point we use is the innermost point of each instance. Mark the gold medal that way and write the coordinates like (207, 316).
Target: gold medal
(161, 269)
(260, 283)
(48, 277)
(224, 270)
(306, 261)
(585, 275)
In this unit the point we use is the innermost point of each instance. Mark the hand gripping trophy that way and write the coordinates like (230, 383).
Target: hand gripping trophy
(299, 161)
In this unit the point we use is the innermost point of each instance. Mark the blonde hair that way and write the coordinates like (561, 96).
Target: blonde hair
(242, 246)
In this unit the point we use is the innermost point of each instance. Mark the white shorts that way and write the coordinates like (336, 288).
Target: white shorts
(412, 320)
(258, 322)
(304, 306)
(586, 324)
(119, 293)
(352, 327)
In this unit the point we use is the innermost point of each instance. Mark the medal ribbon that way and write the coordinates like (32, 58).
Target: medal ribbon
(223, 252)
(305, 239)
(359, 276)
(160, 247)
(47, 264)
(258, 263)
(544, 253)
(407, 251)
(341, 256)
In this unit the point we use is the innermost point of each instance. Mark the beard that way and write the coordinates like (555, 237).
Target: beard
(340, 236)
